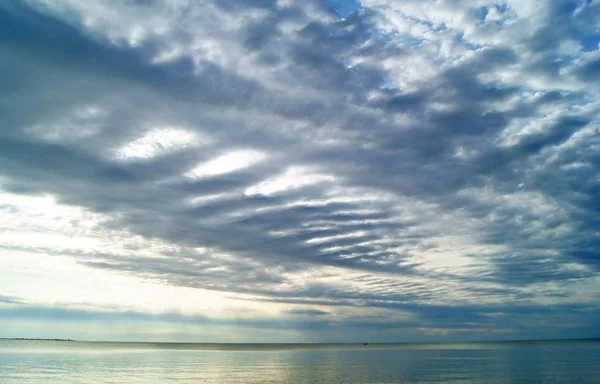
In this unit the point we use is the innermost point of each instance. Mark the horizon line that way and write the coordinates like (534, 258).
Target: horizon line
(306, 343)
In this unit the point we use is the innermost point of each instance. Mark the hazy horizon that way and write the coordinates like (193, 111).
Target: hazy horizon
(357, 343)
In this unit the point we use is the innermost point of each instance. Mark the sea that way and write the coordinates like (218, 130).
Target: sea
(553, 362)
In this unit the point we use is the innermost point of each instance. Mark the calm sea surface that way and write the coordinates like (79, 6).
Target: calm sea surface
(23, 362)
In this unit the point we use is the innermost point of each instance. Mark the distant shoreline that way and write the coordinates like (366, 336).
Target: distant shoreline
(283, 344)
(33, 339)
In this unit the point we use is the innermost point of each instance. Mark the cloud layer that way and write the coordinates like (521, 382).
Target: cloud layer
(434, 164)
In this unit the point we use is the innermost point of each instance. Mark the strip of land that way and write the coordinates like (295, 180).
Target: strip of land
(24, 338)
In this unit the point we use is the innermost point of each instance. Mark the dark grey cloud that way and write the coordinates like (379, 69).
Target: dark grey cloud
(309, 312)
(462, 163)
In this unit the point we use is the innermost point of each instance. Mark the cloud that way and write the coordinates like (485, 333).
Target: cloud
(380, 155)
(9, 300)
(308, 311)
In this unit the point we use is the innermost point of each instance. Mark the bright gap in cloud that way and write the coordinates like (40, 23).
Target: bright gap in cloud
(158, 142)
(61, 280)
(229, 162)
(319, 240)
(294, 177)
(208, 199)
(44, 246)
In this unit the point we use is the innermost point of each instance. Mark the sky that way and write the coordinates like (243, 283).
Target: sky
(300, 171)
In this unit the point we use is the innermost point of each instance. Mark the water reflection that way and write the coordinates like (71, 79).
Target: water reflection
(511, 363)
